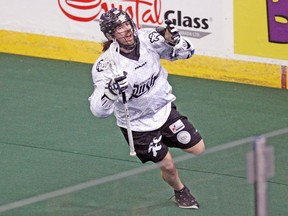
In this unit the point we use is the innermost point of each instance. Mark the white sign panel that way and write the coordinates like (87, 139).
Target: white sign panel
(209, 28)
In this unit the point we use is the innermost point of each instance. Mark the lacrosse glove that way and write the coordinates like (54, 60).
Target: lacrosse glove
(116, 86)
(174, 36)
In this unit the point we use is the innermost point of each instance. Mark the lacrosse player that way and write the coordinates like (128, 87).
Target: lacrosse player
(130, 73)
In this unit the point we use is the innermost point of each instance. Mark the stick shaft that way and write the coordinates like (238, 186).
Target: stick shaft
(129, 131)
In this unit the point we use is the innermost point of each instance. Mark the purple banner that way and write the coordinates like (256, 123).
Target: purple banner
(277, 12)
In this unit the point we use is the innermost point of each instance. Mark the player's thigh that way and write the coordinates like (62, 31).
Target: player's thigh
(197, 149)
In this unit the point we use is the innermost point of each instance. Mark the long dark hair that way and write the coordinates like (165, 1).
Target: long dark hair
(106, 45)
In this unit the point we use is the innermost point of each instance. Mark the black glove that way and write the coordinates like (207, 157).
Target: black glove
(175, 35)
(116, 86)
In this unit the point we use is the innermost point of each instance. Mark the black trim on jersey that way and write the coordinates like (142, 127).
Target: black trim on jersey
(135, 54)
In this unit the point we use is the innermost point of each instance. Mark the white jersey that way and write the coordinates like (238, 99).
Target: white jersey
(149, 93)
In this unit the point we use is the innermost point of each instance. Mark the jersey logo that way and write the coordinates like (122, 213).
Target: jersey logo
(101, 65)
(154, 146)
(154, 36)
(139, 66)
(144, 87)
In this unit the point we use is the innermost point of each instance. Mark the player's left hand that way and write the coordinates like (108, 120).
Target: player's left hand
(172, 33)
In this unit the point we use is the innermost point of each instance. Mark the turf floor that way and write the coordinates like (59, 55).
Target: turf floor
(49, 140)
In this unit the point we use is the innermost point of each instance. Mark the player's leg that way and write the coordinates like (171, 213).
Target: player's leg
(169, 172)
(149, 146)
(197, 149)
(180, 133)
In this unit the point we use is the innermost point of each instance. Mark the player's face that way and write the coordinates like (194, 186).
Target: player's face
(124, 33)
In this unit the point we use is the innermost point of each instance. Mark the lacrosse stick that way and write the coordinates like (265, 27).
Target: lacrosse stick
(113, 53)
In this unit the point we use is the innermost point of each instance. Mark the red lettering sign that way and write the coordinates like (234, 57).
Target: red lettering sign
(145, 11)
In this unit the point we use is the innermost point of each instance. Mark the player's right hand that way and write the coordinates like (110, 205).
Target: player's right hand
(116, 86)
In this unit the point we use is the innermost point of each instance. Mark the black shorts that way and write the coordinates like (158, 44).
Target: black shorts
(177, 132)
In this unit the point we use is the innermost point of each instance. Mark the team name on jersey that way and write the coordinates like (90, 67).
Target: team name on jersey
(144, 87)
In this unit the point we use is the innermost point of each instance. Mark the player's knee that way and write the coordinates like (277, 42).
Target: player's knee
(168, 166)
(169, 170)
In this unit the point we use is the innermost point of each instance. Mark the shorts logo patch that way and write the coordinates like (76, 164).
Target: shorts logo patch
(183, 137)
(177, 126)
(154, 146)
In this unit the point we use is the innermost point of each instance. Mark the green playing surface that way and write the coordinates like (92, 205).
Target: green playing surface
(49, 141)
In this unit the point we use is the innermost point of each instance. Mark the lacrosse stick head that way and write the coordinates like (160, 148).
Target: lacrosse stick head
(113, 18)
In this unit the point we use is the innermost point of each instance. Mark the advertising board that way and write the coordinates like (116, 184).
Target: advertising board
(79, 19)
(240, 41)
(261, 28)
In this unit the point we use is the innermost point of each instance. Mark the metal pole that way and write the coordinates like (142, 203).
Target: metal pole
(259, 146)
